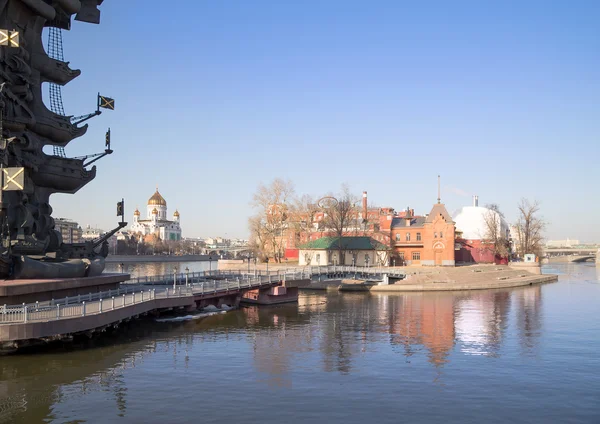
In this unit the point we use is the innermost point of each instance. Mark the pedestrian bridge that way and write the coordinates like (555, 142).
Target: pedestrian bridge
(287, 274)
(188, 287)
(55, 319)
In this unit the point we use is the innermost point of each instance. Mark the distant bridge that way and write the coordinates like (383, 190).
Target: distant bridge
(572, 258)
(582, 258)
(591, 251)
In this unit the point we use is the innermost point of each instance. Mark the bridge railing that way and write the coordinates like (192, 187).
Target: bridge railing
(94, 303)
(281, 274)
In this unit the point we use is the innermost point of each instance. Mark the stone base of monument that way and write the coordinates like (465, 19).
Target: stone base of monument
(29, 268)
(16, 292)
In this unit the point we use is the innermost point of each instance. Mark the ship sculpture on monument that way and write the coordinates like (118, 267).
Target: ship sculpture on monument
(31, 246)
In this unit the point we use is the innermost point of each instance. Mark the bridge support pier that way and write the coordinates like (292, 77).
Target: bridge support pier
(287, 292)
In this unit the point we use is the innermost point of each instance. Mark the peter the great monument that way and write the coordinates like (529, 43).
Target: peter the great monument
(31, 246)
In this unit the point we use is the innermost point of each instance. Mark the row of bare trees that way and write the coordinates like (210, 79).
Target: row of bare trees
(279, 210)
(527, 232)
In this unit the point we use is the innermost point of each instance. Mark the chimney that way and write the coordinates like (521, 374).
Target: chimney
(364, 205)
(407, 217)
(475, 200)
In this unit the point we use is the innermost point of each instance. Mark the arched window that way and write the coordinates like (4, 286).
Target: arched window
(407, 236)
(318, 259)
(397, 237)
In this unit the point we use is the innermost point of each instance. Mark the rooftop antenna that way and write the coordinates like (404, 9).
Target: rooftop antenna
(438, 189)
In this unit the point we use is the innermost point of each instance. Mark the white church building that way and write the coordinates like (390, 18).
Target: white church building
(156, 221)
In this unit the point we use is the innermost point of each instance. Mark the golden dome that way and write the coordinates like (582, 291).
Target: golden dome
(154, 211)
(137, 212)
(176, 213)
(157, 199)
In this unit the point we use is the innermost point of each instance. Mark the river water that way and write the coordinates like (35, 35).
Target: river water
(143, 269)
(523, 355)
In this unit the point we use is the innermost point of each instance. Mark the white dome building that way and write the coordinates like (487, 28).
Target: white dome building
(472, 231)
(156, 221)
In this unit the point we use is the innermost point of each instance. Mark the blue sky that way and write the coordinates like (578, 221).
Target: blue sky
(214, 97)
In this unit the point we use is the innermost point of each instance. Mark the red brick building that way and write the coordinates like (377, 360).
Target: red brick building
(414, 240)
(423, 240)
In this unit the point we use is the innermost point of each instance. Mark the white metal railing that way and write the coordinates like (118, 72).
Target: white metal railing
(237, 283)
(281, 274)
(95, 303)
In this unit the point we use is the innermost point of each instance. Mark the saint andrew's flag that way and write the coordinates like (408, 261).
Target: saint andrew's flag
(106, 102)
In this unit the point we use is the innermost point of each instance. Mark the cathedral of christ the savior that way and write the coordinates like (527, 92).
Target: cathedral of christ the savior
(156, 222)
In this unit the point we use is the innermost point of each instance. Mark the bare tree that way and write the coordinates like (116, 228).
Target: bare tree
(529, 229)
(273, 202)
(341, 217)
(302, 219)
(495, 235)
(258, 235)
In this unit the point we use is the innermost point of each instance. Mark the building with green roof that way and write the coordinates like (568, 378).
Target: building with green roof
(359, 251)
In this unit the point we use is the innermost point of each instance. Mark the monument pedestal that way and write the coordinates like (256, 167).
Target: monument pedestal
(15, 292)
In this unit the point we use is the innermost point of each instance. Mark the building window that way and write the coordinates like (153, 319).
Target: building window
(434, 235)
(407, 236)
(416, 256)
(401, 255)
(441, 235)
(318, 259)
(397, 237)
(418, 236)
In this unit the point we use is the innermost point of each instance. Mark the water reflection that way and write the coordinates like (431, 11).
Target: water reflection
(529, 318)
(481, 321)
(341, 334)
(29, 387)
(342, 328)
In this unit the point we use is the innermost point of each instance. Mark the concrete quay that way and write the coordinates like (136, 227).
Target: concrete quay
(477, 277)
(472, 277)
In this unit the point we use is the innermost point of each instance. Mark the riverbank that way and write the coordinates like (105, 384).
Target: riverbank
(158, 258)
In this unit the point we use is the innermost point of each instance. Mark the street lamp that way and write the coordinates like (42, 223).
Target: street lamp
(248, 264)
(267, 260)
(209, 263)
(174, 277)
(187, 274)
